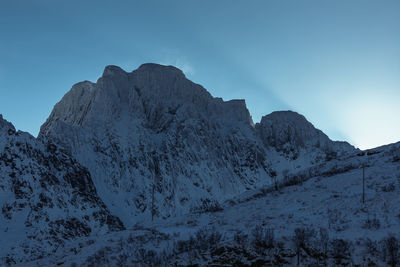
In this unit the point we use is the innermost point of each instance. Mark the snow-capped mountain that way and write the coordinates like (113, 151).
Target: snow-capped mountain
(147, 168)
(157, 144)
(47, 198)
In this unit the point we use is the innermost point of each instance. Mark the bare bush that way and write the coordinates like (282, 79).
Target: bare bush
(374, 223)
(388, 188)
(390, 250)
(341, 251)
(241, 239)
(262, 238)
(301, 240)
(207, 205)
(324, 241)
(371, 247)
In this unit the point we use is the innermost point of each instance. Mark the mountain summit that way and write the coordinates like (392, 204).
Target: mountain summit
(291, 134)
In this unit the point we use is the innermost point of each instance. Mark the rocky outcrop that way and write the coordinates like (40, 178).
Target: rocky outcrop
(293, 136)
(46, 197)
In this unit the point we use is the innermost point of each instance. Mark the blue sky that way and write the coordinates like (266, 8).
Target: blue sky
(336, 62)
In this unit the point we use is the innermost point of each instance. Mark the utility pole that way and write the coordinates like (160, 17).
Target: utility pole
(363, 184)
(156, 178)
(152, 202)
(255, 144)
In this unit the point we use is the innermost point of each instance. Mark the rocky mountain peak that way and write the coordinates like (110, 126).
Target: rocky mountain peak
(285, 116)
(152, 92)
(281, 127)
(6, 126)
(153, 67)
(112, 70)
(288, 124)
(289, 132)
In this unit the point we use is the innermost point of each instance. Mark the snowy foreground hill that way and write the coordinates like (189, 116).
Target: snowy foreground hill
(319, 220)
(148, 169)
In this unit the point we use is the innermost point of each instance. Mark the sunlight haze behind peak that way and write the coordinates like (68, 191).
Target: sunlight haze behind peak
(337, 62)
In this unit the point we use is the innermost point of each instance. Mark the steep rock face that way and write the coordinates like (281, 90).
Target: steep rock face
(46, 198)
(155, 127)
(293, 137)
(157, 144)
(152, 92)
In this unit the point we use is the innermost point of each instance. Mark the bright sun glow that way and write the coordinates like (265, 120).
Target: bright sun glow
(371, 120)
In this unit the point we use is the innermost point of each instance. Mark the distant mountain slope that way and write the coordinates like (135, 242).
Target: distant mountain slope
(289, 132)
(295, 139)
(47, 198)
(155, 127)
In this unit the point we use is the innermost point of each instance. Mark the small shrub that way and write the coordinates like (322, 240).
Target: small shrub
(214, 238)
(258, 237)
(240, 239)
(388, 188)
(262, 238)
(181, 246)
(202, 239)
(390, 250)
(207, 205)
(374, 223)
(301, 240)
(324, 241)
(205, 239)
(340, 250)
(371, 247)
(330, 155)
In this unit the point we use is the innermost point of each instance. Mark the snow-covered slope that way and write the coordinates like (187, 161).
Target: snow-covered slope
(323, 214)
(47, 199)
(155, 127)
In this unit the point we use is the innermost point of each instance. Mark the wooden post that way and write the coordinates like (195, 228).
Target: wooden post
(363, 186)
(156, 179)
(152, 202)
